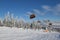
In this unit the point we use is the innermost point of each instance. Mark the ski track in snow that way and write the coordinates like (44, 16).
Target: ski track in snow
(7, 33)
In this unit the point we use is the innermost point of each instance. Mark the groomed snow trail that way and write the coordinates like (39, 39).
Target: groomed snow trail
(7, 33)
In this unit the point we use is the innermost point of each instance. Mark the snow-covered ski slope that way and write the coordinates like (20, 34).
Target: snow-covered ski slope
(7, 33)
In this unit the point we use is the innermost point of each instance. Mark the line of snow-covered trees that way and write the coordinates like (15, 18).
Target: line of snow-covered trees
(11, 21)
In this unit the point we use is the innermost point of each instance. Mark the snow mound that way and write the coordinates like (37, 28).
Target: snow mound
(7, 33)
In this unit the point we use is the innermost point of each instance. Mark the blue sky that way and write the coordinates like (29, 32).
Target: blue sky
(44, 9)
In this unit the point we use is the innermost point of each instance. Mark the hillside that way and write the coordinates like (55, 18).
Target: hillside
(7, 33)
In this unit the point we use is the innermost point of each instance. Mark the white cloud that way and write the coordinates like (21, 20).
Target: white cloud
(48, 8)
(55, 10)
(38, 12)
(45, 8)
(29, 13)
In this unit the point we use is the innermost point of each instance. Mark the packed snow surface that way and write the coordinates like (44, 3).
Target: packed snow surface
(7, 33)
